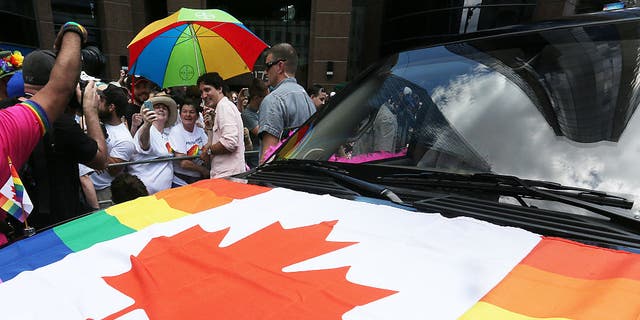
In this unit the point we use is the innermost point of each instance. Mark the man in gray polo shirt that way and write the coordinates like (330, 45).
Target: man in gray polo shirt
(287, 105)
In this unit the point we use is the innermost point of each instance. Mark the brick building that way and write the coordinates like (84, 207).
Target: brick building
(336, 39)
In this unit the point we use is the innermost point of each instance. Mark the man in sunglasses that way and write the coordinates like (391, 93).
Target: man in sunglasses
(287, 105)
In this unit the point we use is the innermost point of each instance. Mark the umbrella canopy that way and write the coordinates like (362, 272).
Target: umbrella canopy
(178, 49)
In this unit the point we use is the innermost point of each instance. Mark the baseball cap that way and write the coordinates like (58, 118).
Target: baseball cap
(37, 66)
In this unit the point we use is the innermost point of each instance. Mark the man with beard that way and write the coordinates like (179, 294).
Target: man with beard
(111, 107)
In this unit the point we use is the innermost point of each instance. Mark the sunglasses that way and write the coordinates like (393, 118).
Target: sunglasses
(273, 63)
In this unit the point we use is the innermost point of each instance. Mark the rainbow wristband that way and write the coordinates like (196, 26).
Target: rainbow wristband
(77, 28)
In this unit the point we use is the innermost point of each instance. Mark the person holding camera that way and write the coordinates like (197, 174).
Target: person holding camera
(24, 124)
(111, 108)
(53, 165)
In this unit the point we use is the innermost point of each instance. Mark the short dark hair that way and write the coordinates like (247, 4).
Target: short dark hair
(117, 96)
(191, 102)
(257, 88)
(315, 90)
(285, 51)
(125, 187)
(215, 80)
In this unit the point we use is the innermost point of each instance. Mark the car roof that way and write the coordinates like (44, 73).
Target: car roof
(399, 44)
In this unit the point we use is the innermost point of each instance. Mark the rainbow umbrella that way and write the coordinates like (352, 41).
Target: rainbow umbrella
(176, 50)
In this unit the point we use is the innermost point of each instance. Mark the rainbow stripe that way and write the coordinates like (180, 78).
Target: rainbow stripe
(558, 278)
(17, 182)
(40, 114)
(10, 207)
(54, 244)
(169, 148)
(194, 150)
(13, 205)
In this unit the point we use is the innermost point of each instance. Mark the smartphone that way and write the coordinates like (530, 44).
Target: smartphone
(148, 105)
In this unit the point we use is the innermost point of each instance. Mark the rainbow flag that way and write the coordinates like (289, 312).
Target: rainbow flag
(194, 150)
(13, 197)
(169, 148)
(227, 250)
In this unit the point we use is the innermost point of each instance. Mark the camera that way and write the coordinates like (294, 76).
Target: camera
(93, 60)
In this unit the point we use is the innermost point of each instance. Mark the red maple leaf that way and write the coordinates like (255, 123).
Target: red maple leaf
(188, 276)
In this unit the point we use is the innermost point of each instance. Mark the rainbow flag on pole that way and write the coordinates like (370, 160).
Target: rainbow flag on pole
(13, 197)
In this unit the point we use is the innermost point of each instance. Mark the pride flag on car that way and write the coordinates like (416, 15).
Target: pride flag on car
(13, 197)
(225, 250)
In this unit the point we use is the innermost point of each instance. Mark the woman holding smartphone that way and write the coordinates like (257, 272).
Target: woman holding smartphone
(159, 112)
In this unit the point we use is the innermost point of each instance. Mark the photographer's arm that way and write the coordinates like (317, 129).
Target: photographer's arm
(53, 98)
(90, 110)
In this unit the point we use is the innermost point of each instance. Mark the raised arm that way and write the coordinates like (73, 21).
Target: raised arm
(90, 111)
(54, 97)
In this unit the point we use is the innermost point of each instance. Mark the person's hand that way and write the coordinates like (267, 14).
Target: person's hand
(123, 76)
(148, 115)
(90, 98)
(208, 119)
(136, 120)
(205, 153)
(70, 27)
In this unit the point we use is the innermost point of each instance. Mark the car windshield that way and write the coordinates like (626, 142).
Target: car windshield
(556, 105)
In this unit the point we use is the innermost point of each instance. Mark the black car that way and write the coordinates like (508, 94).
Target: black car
(487, 178)
(530, 126)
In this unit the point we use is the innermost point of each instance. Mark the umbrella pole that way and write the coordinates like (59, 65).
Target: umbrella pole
(133, 87)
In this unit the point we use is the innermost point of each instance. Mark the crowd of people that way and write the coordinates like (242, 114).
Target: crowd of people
(84, 145)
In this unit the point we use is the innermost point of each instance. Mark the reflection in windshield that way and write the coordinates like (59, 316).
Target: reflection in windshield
(557, 105)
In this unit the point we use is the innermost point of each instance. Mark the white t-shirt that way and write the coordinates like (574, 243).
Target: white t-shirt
(181, 141)
(120, 145)
(156, 176)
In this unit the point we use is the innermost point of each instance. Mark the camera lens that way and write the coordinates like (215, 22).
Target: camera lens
(93, 60)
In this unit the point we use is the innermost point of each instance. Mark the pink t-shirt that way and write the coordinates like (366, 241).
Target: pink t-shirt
(21, 127)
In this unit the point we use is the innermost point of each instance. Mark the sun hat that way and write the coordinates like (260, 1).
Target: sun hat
(170, 103)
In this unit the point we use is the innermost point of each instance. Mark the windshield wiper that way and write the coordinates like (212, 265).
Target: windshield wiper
(337, 174)
(591, 200)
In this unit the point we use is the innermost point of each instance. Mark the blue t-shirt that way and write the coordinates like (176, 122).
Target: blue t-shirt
(287, 106)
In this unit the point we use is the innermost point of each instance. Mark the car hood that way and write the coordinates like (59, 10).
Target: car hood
(234, 250)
